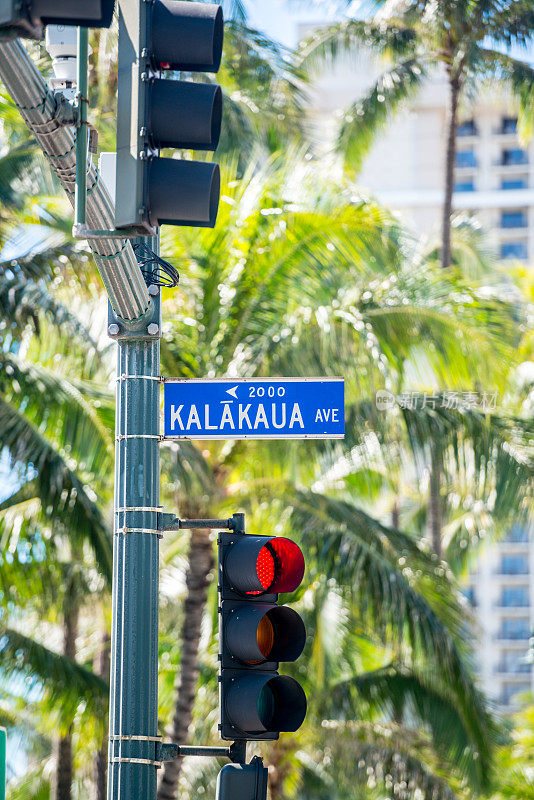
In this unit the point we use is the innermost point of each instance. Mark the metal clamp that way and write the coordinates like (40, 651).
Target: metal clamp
(122, 436)
(152, 531)
(81, 231)
(134, 738)
(157, 378)
(156, 509)
(150, 762)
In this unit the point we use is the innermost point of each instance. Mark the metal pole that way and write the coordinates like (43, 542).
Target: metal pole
(134, 656)
(3, 763)
(81, 132)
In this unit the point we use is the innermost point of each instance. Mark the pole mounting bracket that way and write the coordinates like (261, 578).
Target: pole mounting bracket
(170, 522)
(147, 327)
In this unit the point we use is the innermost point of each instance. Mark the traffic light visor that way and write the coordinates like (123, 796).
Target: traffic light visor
(85, 13)
(281, 704)
(258, 564)
(182, 192)
(262, 703)
(187, 36)
(259, 632)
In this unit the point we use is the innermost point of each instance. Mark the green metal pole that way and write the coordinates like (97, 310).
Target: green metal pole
(80, 196)
(3, 763)
(134, 647)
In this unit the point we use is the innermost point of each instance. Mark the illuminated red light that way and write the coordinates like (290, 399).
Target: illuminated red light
(265, 567)
(280, 566)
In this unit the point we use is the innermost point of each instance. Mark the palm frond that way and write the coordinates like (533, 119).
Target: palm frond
(416, 698)
(366, 116)
(414, 604)
(518, 75)
(63, 495)
(70, 419)
(64, 681)
(348, 37)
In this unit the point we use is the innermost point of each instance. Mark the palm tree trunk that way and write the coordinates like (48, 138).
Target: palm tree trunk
(435, 511)
(64, 772)
(450, 162)
(197, 582)
(395, 514)
(101, 759)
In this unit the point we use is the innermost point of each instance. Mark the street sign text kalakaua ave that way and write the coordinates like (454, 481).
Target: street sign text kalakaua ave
(261, 408)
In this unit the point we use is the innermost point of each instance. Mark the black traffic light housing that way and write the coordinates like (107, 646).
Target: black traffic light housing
(27, 18)
(255, 634)
(155, 112)
(243, 781)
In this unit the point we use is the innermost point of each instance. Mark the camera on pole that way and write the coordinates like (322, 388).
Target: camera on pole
(156, 112)
(255, 634)
(28, 18)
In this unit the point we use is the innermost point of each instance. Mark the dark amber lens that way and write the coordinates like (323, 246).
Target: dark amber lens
(265, 636)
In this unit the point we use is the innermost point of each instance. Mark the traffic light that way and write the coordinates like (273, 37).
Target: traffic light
(155, 112)
(27, 18)
(256, 633)
(243, 781)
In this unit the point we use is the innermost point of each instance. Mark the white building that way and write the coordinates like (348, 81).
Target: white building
(405, 168)
(501, 592)
(494, 180)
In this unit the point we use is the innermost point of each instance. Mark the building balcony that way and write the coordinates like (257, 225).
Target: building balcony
(514, 547)
(522, 637)
(516, 672)
(511, 610)
(512, 574)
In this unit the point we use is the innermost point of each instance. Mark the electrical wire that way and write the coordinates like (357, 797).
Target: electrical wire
(155, 269)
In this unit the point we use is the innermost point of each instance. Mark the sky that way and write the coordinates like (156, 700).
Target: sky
(279, 18)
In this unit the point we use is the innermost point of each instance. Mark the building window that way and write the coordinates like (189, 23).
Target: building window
(464, 186)
(469, 595)
(517, 533)
(510, 692)
(509, 125)
(514, 565)
(513, 157)
(466, 158)
(514, 219)
(514, 183)
(467, 128)
(514, 250)
(515, 663)
(515, 628)
(515, 597)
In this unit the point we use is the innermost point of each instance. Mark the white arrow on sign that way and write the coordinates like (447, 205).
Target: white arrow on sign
(232, 391)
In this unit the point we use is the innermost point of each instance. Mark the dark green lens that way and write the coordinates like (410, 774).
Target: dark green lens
(266, 706)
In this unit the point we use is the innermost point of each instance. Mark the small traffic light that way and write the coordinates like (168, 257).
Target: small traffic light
(243, 781)
(27, 18)
(255, 633)
(155, 112)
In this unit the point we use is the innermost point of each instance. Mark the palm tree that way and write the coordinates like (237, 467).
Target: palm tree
(298, 286)
(514, 779)
(469, 39)
(59, 448)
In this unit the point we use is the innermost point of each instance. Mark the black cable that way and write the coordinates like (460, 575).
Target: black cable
(155, 269)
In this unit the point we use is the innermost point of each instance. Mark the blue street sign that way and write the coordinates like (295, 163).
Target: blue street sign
(261, 408)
